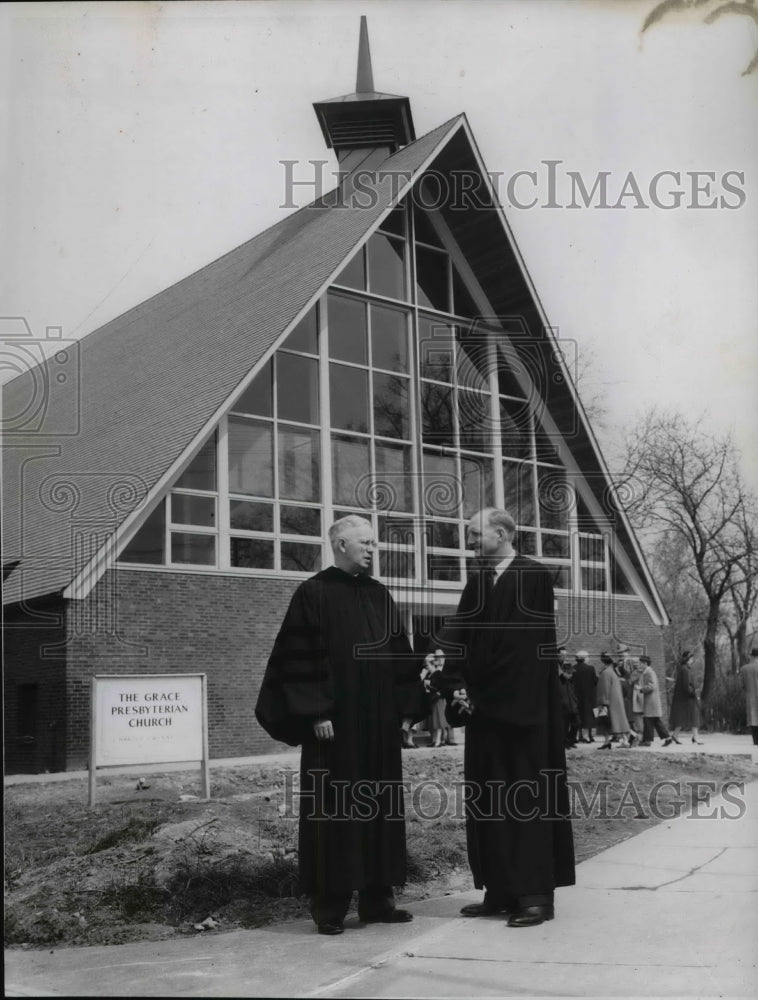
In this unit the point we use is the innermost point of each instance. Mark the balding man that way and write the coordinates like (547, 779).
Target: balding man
(500, 678)
(342, 681)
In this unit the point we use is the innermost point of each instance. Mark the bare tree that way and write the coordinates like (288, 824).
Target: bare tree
(685, 482)
(739, 616)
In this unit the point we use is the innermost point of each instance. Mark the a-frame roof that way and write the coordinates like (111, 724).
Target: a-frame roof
(155, 380)
(150, 380)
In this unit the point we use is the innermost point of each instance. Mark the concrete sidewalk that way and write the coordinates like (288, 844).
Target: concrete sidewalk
(670, 912)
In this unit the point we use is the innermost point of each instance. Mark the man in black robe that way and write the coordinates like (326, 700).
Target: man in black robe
(501, 680)
(342, 681)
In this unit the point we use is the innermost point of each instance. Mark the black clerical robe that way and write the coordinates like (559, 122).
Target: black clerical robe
(501, 647)
(342, 654)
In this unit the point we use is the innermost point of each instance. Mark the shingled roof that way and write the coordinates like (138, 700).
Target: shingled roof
(150, 380)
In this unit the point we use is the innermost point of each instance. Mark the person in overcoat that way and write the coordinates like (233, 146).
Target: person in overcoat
(651, 706)
(585, 683)
(610, 702)
(685, 707)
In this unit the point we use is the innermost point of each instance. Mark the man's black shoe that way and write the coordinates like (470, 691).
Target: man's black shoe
(487, 909)
(330, 928)
(393, 916)
(530, 916)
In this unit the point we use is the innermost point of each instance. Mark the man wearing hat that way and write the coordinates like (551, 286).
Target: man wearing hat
(651, 706)
(585, 682)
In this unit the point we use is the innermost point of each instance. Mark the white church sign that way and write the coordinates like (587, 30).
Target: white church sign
(140, 719)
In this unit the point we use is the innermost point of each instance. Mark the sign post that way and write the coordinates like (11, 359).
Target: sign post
(148, 719)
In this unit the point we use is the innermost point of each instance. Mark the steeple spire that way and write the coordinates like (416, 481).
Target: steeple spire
(364, 81)
(366, 119)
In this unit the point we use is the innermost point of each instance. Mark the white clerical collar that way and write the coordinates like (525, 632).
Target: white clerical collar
(503, 565)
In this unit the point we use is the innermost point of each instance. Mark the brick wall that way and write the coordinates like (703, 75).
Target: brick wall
(136, 621)
(601, 624)
(34, 656)
(139, 621)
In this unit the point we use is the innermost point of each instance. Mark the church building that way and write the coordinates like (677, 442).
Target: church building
(381, 351)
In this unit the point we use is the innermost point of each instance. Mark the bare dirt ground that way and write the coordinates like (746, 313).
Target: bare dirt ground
(153, 862)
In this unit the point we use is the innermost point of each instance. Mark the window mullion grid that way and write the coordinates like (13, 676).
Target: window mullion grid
(275, 444)
(417, 423)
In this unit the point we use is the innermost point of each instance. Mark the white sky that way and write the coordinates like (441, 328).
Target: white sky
(143, 140)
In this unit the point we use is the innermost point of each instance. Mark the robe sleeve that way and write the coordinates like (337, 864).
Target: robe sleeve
(297, 684)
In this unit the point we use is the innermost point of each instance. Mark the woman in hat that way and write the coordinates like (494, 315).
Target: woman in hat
(685, 707)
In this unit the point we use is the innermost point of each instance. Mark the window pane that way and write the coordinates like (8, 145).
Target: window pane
(299, 520)
(350, 471)
(478, 485)
(200, 474)
(556, 546)
(472, 359)
(508, 362)
(251, 457)
(425, 231)
(396, 530)
(252, 553)
(297, 388)
(517, 489)
(301, 557)
(443, 567)
(442, 488)
(298, 464)
(258, 397)
(515, 429)
(432, 279)
(395, 221)
(443, 535)
(187, 509)
(592, 549)
(619, 580)
(555, 499)
(546, 445)
(148, 545)
(437, 414)
(348, 389)
(248, 516)
(593, 578)
(305, 335)
(391, 406)
(463, 304)
(389, 339)
(526, 543)
(399, 565)
(393, 484)
(436, 350)
(386, 267)
(475, 421)
(561, 576)
(198, 550)
(347, 330)
(353, 275)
